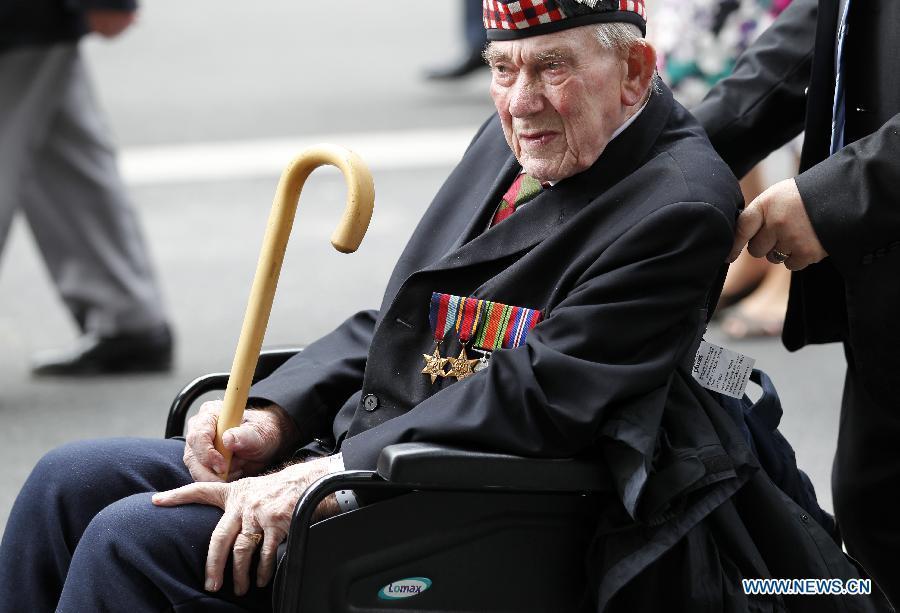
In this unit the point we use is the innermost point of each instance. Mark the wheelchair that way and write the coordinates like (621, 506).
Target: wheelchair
(453, 530)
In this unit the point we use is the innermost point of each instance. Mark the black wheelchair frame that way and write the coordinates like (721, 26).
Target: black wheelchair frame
(454, 529)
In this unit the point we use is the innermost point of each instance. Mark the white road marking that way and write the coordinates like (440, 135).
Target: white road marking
(229, 160)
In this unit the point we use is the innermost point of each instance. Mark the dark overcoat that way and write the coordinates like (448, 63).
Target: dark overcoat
(622, 260)
(619, 259)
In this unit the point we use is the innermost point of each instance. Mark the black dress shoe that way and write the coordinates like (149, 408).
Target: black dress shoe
(467, 65)
(96, 355)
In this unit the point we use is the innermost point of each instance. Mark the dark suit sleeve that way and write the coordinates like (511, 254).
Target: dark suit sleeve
(762, 105)
(314, 384)
(853, 198)
(608, 348)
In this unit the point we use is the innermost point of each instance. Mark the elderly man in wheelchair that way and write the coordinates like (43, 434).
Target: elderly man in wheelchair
(515, 429)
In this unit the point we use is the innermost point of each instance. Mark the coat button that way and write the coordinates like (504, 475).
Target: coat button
(370, 402)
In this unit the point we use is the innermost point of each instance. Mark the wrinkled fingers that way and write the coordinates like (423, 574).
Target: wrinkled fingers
(762, 242)
(268, 556)
(223, 539)
(201, 441)
(245, 545)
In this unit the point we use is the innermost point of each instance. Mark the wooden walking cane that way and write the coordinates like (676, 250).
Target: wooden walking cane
(346, 239)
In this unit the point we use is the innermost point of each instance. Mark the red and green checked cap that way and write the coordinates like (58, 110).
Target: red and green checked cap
(511, 19)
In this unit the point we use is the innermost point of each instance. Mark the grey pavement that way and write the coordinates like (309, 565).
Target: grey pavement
(209, 71)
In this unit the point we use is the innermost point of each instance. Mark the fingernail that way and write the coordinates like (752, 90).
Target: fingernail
(229, 439)
(210, 584)
(157, 498)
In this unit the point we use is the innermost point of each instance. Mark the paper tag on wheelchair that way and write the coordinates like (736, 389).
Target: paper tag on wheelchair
(722, 370)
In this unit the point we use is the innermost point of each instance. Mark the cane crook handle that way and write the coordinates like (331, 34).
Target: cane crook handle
(346, 239)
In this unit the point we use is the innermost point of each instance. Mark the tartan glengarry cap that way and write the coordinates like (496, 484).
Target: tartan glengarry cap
(509, 19)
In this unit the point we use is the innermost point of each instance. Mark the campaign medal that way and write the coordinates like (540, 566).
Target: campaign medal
(434, 364)
(461, 367)
(483, 360)
(441, 316)
(504, 326)
(467, 323)
(482, 325)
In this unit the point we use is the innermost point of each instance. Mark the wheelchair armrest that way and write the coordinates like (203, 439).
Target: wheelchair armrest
(185, 399)
(439, 466)
(269, 361)
(422, 466)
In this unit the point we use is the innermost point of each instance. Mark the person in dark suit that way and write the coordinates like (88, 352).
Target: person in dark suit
(577, 244)
(828, 68)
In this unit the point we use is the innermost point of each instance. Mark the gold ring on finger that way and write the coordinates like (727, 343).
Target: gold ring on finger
(256, 537)
(777, 257)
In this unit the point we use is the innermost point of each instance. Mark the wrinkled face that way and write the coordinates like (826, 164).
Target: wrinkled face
(560, 97)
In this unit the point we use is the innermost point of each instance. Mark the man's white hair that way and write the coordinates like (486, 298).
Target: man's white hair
(619, 36)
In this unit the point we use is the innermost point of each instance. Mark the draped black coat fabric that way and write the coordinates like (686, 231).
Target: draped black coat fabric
(621, 259)
(784, 84)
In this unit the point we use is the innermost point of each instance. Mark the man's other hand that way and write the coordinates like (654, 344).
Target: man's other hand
(258, 513)
(264, 435)
(110, 23)
(777, 220)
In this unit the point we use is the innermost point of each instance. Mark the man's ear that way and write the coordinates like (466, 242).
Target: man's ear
(640, 67)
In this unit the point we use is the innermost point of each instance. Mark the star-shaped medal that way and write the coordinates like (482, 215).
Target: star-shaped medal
(462, 366)
(434, 365)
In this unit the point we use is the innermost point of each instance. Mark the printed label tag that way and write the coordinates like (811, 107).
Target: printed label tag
(722, 370)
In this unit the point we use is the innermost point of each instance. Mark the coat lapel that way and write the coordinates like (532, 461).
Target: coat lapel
(485, 211)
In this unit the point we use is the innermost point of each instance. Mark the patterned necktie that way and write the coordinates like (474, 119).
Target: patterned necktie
(838, 115)
(523, 189)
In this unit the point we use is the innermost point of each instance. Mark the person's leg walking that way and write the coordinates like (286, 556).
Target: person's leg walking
(83, 222)
(29, 96)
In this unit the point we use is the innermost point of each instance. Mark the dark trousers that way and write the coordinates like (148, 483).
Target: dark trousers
(866, 477)
(84, 536)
